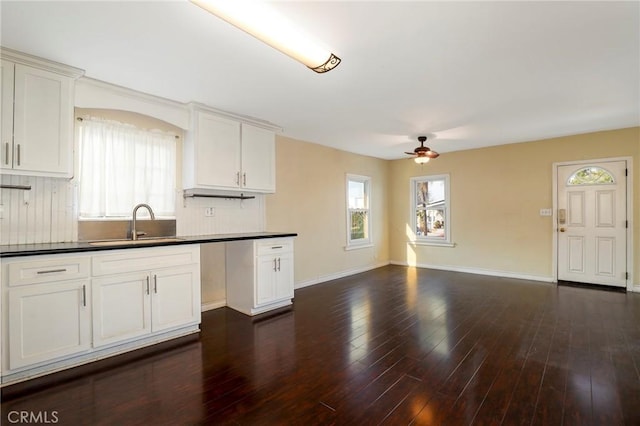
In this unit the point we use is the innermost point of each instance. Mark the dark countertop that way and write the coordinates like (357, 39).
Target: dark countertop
(15, 250)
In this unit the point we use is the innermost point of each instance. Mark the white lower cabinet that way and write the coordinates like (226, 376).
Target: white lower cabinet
(46, 309)
(59, 311)
(150, 299)
(48, 321)
(259, 275)
(175, 298)
(274, 278)
(121, 308)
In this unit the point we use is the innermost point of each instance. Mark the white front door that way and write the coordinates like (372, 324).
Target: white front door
(592, 221)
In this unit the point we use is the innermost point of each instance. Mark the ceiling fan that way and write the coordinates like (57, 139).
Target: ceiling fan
(423, 153)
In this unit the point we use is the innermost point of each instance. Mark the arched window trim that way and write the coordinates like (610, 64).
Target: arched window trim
(573, 175)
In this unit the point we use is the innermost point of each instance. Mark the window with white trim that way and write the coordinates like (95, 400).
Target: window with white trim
(358, 211)
(121, 165)
(430, 212)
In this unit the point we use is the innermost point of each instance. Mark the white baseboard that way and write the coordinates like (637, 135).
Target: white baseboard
(479, 271)
(337, 275)
(213, 305)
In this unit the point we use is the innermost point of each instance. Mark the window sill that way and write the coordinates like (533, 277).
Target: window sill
(433, 243)
(358, 246)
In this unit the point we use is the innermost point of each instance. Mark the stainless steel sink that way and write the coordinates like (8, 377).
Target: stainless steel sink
(134, 242)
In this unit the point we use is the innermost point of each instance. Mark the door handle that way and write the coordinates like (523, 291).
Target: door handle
(6, 153)
(84, 295)
(147, 284)
(244, 179)
(562, 229)
(278, 264)
(18, 154)
(155, 284)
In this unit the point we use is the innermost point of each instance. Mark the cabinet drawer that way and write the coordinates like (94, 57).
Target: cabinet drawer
(274, 247)
(40, 271)
(145, 259)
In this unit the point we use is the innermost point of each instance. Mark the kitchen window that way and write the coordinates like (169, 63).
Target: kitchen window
(430, 212)
(358, 211)
(122, 165)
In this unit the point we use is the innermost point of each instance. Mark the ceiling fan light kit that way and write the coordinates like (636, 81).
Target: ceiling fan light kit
(423, 154)
(262, 22)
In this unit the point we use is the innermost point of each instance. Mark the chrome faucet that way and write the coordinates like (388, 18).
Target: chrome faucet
(134, 233)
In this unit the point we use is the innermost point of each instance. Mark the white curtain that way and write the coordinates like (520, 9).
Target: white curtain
(121, 166)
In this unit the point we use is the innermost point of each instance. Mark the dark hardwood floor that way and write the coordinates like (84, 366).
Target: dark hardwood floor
(392, 346)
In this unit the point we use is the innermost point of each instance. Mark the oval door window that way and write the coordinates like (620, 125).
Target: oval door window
(591, 176)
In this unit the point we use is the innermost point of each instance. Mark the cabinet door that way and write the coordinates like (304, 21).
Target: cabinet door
(175, 297)
(121, 308)
(217, 152)
(258, 159)
(265, 290)
(284, 277)
(43, 122)
(6, 114)
(47, 321)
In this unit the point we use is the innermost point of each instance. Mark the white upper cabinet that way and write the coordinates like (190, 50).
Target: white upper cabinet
(225, 153)
(37, 116)
(258, 159)
(6, 113)
(215, 158)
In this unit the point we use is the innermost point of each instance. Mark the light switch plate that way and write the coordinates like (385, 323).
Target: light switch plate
(545, 212)
(209, 211)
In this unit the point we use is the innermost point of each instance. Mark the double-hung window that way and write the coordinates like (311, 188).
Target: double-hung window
(121, 166)
(430, 213)
(358, 211)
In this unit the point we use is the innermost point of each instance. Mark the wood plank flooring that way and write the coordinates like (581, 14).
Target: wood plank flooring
(393, 346)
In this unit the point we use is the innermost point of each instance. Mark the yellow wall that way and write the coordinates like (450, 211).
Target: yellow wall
(310, 199)
(496, 197)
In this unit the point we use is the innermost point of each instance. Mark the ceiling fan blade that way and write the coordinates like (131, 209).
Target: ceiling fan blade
(432, 154)
(410, 153)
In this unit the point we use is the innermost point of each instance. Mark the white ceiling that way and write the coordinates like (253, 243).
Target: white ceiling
(466, 74)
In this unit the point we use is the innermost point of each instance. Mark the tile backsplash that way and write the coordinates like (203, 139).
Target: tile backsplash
(228, 215)
(44, 214)
(48, 212)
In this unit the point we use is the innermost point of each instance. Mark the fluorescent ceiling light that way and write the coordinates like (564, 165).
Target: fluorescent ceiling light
(262, 22)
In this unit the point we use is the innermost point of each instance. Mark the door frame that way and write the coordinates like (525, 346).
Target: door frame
(554, 213)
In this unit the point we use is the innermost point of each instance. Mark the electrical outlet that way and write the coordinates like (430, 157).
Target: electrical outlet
(209, 211)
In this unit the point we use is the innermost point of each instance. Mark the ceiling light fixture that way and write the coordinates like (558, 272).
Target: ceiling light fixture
(423, 154)
(262, 22)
